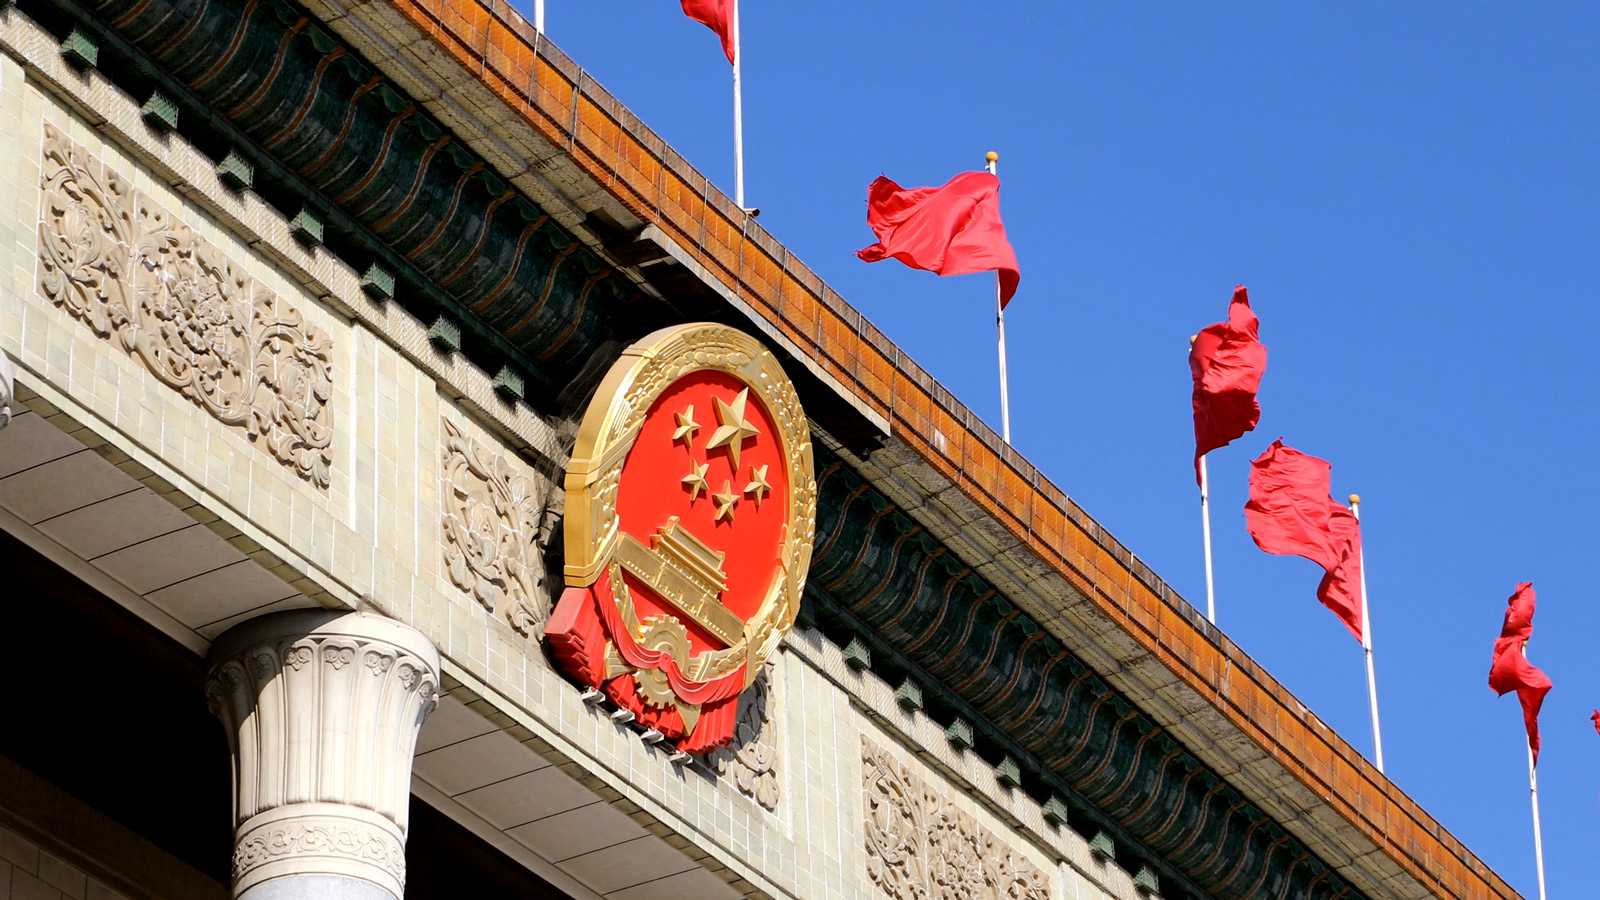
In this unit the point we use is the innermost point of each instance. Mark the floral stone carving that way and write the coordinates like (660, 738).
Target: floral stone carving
(752, 758)
(920, 846)
(141, 279)
(494, 524)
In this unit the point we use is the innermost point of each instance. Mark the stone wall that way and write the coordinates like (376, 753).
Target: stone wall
(327, 438)
(54, 847)
(31, 872)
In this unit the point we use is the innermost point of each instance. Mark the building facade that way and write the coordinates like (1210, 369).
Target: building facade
(418, 480)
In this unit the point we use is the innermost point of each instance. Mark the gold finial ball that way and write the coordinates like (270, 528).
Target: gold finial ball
(991, 156)
(1193, 338)
(1355, 499)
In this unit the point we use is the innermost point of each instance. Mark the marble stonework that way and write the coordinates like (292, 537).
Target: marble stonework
(322, 710)
(495, 523)
(8, 390)
(751, 761)
(922, 846)
(144, 281)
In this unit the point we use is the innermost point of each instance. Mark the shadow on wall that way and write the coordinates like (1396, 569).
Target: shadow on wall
(110, 711)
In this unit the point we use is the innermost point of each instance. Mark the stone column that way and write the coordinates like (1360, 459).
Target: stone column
(322, 711)
(8, 390)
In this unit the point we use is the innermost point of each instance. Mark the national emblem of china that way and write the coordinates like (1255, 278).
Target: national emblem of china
(690, 511)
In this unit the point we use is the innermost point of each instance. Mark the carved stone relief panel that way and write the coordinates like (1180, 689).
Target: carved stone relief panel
(751, 759)
(495, 522)
(144, 281)
(921, 846)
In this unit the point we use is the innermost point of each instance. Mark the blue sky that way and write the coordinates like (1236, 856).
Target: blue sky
(1410, 193)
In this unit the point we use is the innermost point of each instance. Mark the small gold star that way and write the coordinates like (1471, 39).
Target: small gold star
(687, 426)
(758, 486)
(695, 481)
(725, 502)
(733, 429)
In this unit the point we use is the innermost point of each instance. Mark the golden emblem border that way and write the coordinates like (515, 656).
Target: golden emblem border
(611, 425)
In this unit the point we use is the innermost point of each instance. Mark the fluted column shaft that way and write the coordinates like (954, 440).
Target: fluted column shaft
(322, 711)
(8, 390)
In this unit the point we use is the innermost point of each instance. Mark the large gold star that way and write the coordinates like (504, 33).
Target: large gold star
(758, 486)
(725, 502)
(733, 429)
(695, 481)
(687, 426)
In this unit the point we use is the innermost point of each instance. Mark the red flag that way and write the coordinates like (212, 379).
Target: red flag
(952, 230)
(1290, 513)
(1510, 670)
(716, 15)
(1227, 361)
(1595, 718)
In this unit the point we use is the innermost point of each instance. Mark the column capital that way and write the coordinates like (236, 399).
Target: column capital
(322, 710)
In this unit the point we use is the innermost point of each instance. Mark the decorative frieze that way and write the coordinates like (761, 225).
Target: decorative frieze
(341, 837)
(921, 846)
(495, 523)
(141, 279)
(751, 760)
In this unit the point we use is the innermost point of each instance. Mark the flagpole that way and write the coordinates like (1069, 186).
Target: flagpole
(1205, 531)
(1366, 640)
(738, 115)
(993, 159)
(1533, 798)
(1205, 526)
(538, 16)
